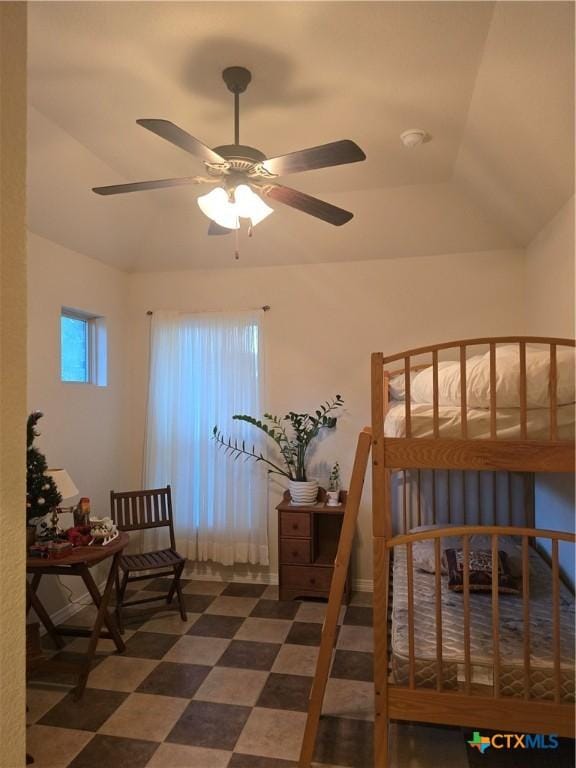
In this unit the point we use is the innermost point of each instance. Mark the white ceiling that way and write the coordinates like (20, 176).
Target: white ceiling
(492, 83)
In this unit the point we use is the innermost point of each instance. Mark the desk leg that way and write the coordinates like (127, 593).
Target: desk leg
(33, 601)
(102, 617)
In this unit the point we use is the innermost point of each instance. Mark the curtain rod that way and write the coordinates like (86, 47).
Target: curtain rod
(264, 308)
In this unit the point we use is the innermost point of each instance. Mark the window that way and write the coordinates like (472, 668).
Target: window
(204, 368)
(83, 348)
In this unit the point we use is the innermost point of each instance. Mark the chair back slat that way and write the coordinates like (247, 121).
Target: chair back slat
(137, 510)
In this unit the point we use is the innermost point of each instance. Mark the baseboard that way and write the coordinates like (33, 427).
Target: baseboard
(199, 572)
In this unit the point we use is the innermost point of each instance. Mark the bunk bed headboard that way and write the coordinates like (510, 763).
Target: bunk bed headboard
(488, 403)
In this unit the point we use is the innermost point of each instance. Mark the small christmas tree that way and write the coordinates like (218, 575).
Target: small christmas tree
(41, 492)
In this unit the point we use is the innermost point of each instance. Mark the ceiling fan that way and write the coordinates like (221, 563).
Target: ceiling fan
(243, 175)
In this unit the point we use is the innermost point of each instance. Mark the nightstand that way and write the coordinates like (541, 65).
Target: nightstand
(307, 543)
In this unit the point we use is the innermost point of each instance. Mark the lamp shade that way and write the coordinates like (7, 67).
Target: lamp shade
(247, 205)
(218, 207)
(64, 483)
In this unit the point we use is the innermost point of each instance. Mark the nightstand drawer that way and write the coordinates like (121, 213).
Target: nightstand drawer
(309, 578)
(295, 524)
(295, 551)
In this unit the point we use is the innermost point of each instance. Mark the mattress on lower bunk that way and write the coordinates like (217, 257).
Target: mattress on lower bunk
(512, 679)
(478, 419)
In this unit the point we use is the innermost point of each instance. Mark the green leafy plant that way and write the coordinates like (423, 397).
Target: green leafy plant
(41, 491)
(334, 481)
(292, 434)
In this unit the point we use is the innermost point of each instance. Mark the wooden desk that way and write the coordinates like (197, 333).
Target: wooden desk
(79, 563)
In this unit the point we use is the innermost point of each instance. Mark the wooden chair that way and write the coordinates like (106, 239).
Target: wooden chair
(143, 510)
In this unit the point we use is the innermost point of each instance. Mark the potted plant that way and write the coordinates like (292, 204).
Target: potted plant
(293, 434)
(42, 494)
(333, 491)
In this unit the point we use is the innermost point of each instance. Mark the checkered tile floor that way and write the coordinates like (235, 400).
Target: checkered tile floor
(228, 688)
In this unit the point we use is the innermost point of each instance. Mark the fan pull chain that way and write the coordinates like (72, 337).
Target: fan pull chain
(237, 246)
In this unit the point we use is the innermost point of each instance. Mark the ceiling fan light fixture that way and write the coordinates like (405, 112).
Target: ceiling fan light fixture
(249, 205)
(216, 205)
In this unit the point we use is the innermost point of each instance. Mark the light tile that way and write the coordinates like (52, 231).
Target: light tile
(355, 638)
(232, 606)
(180, 756)
(192, 649)
(121, 673)
(272, 733)
(228, 685)
(144, 716)
(350, 699)
(296, 660)
(194, 587)
(271, 592)
(264, 630)
(170, 624)
(315, 612)
(40, 700)
(105, 645)
(55, 747)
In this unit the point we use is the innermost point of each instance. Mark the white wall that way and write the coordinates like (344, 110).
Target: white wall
(550, 312)
(84, 428)
(550, 277)
(325, 321)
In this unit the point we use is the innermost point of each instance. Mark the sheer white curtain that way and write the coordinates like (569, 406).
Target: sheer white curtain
(203, 369)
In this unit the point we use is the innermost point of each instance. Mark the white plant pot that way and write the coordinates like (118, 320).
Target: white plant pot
(332, 498)
(303, 491)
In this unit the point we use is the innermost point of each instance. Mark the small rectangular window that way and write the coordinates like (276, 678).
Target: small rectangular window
(83, 348)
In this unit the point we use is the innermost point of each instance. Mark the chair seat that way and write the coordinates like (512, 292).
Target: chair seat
(163, 558)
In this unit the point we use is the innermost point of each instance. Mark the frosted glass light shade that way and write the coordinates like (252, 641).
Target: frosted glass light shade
(218, 207)
(64, 483)
(248, 205)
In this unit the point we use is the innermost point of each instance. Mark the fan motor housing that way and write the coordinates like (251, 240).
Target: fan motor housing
(240, 152)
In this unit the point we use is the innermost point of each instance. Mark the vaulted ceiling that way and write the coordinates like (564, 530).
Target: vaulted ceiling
(492, 83)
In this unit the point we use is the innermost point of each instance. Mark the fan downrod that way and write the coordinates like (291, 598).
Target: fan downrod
(237, 79)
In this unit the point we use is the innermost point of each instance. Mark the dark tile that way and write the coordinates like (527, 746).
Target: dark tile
(216, 726)
(251, 761)
(275, 609)
(359, 615)
(304, 633)
(212, 625)
(88, 714)
(171, 679)
(245, 654)
(197, 603)
(62, 668)
(137, 616)
(149, 645)
(244, 590)
(128, 595)
(286, 692)
(353, 665)
(345, 742)
(113, 751)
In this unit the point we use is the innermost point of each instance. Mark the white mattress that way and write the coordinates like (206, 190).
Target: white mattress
(507, 422)
(511, 633)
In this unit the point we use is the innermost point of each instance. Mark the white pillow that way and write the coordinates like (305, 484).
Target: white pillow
(507, 379)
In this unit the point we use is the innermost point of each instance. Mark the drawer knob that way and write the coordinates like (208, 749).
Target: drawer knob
(312, 580)
(294, 554)
(294, 526)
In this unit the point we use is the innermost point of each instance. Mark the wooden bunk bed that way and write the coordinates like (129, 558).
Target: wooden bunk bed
(498, 409)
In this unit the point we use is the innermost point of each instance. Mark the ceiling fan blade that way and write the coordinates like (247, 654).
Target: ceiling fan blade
(307, 204)
(140, 186)
(216, 229)
(324, 156)
(167, 130)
